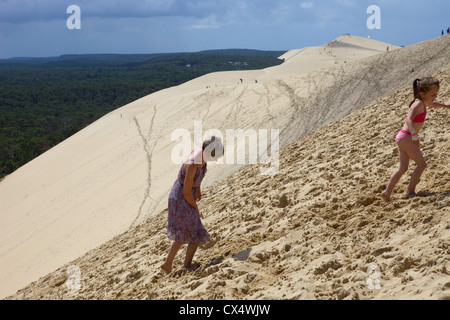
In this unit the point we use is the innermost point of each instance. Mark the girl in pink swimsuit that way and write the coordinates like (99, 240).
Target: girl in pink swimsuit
(425, 92)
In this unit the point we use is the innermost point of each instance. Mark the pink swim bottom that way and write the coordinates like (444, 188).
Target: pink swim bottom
(401, 135)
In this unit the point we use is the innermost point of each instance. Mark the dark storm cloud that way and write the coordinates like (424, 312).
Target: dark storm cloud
(22, 11)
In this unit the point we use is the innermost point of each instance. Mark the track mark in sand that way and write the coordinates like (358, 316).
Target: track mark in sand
(327, 94)
(149, 154)
(424, 62)
(205, 99)
(296, 103)
(236, 106)
(293, 97)
(265, 100)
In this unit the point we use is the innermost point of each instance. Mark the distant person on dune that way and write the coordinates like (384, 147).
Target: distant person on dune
(185, 225)
(425, 92)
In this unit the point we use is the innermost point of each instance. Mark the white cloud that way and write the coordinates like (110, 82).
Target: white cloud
(306, 5)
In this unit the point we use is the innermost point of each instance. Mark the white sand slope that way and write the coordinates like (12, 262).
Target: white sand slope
(118, 171)
(316, 230)
(342, 50)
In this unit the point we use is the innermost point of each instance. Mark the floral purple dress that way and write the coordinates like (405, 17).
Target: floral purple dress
(184, 224)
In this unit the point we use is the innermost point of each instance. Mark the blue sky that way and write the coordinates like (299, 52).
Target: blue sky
(38, 27)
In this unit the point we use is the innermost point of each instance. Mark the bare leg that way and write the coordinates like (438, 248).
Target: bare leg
(190, 252)
(415, 179)
(415, 154)
(167, 266)
(395, 178)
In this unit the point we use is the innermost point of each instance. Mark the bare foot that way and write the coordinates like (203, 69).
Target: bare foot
(166, 269)
(385, 196)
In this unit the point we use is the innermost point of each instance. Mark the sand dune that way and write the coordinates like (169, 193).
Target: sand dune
(313, 231)
(268, 231)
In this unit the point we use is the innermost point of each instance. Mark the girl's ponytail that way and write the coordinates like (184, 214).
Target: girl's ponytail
(416, 88)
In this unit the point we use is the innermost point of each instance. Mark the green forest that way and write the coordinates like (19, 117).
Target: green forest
(43, 101)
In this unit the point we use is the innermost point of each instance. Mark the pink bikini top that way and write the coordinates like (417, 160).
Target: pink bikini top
(420, 118)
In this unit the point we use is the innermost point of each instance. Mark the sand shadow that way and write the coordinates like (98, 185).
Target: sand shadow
(444, 195)
(242, 255)
(423, 194)
(214, 261)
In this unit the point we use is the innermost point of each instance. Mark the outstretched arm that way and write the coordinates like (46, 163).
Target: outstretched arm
(440, 105)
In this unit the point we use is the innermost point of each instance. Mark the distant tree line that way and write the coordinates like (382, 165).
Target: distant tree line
(45, 101)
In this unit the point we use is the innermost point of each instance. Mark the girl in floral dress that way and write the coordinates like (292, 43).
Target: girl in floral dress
(185, 225)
